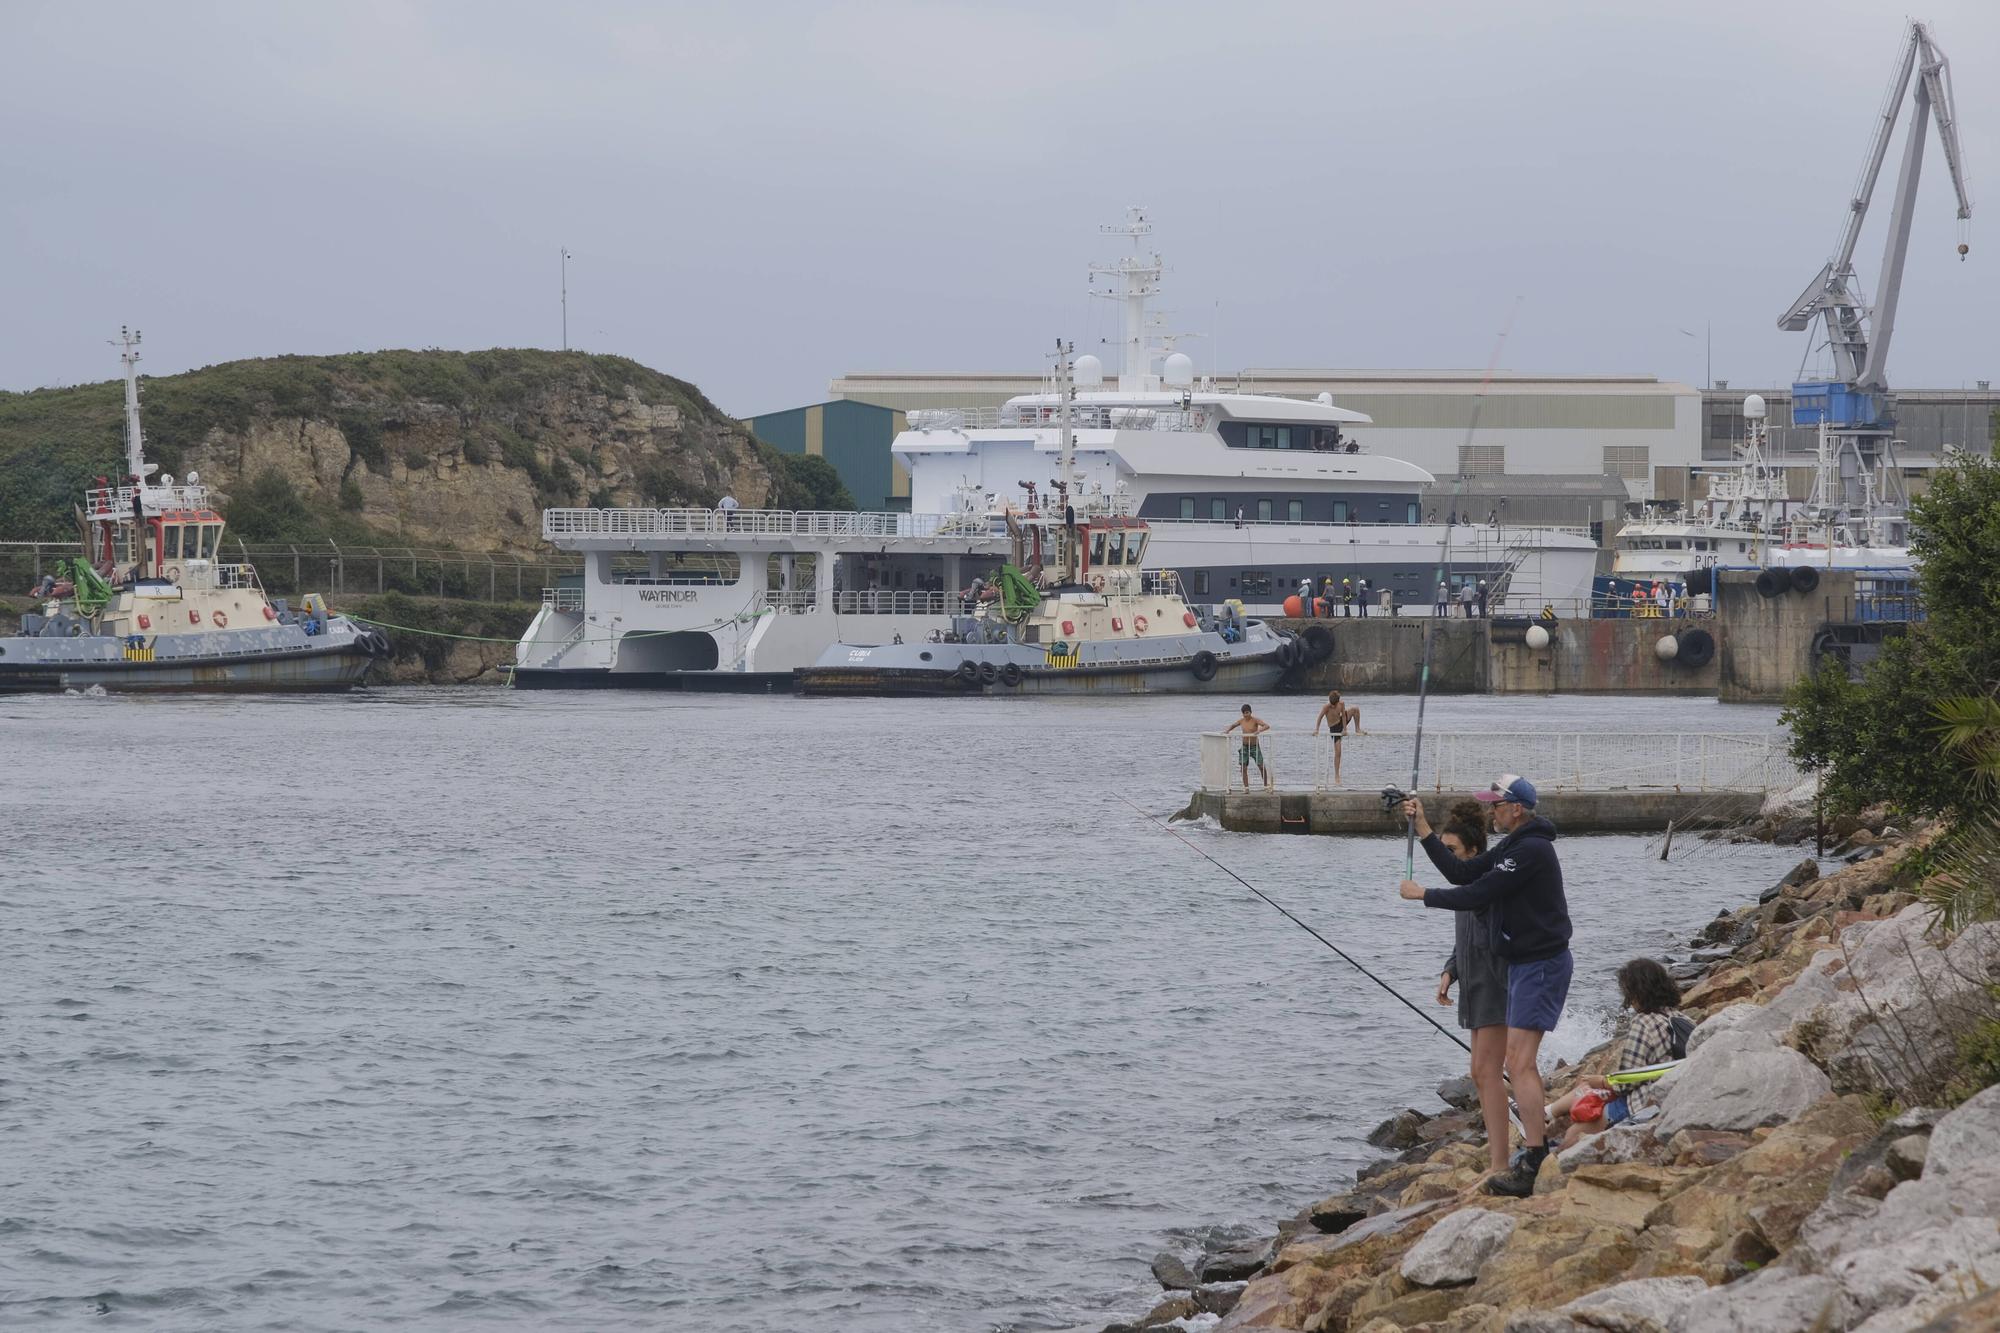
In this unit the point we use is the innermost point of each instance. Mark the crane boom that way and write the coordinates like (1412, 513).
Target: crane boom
(1858, 337)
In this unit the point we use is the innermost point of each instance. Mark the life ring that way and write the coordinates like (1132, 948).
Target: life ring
(968, 671)
(1097, 583)
(1187, 618)
(988, 673)
(1772, 582)
(1804, 578)
(1139, 624)
(1011, 674)
(218, 619)
(1697, 648)
(1203, 665)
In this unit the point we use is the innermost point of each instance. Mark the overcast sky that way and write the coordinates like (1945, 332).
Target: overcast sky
(759, 197)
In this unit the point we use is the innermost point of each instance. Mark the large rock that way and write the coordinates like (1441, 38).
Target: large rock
(1398, 1131)
(1649, 1305)
(1173, 1273)
(1460, 1092)
(1738, 1080)
(1553, 1258)
(1451, 1253)
(1766, 1302)
(1622, 1194)
(1238, 1261)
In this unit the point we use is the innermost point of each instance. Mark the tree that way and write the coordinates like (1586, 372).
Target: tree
(805, 481)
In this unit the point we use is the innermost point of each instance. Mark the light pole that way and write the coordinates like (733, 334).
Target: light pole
(1708, 350)
(565, 298)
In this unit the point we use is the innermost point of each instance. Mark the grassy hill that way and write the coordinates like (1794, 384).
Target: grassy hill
(433, 448)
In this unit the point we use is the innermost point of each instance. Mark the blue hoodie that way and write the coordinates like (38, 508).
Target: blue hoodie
(1521, 879)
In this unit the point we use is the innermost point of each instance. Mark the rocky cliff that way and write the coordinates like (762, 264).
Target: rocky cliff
(404, 448)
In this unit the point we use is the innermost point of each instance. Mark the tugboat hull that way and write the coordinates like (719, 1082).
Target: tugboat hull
(278, 659)
(1192, 664)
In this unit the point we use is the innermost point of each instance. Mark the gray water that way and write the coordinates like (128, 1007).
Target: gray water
(435, 1008)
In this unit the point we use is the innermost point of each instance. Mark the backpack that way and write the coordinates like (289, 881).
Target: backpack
(1682, 1027)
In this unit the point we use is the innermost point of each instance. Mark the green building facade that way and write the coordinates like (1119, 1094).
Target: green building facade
(854, 437)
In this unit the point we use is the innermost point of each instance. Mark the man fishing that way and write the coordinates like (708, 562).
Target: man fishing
(1520, 878)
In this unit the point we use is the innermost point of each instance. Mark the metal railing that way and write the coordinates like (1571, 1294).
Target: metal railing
(558, 523)
(116, 501)
(1082, 416)
(1468, 535)
(1468, 761)
(563, 599)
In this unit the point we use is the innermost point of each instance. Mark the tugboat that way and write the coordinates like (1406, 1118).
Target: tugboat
(149, 604)
(1075, 612)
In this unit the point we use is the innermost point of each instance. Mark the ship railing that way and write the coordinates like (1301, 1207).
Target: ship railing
(1081, 417)
(563, 599)
(231, 577)
(1477, 533)
(105, 502)
(557, 523)
(1556, 762)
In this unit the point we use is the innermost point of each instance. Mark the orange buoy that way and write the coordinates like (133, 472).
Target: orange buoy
(1294, 607)
(1187, 618)
(1139, 623)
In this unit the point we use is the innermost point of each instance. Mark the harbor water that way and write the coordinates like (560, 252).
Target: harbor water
(452, 1008)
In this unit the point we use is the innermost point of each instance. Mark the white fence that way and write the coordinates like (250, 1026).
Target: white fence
(756, 523)
(1469, 761)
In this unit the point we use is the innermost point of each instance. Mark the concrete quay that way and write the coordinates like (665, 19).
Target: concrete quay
(1361, 812)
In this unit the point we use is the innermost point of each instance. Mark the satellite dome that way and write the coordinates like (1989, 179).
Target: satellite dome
(1753, 406)
(1179, 370)
(194, 478)
(1089, 371)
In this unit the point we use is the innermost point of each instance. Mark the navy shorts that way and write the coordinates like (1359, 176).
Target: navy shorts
(1536, 992)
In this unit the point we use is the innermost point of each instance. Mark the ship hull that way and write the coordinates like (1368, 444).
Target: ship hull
(1243, 678)
(302, 672)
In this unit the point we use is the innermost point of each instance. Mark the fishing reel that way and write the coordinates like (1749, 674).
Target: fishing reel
(1392, 799)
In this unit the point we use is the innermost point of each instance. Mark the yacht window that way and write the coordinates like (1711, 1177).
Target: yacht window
(1263, 511)
(1218, 510)
(1340, 511)
(1295, 510)
(1256, 583)
(1410, 514)
(1096, 548)
(1187, 506)
(1284, 437)
(1201, 582)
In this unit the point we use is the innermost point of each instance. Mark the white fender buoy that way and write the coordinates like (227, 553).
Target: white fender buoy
(1668, 648)
(1538, 637)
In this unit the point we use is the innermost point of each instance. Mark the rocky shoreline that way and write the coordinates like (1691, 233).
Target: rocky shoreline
(1802, 1171)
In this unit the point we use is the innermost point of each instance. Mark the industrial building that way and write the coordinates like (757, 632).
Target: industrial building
(854, 437)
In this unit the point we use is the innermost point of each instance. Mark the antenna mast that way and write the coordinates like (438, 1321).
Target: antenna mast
(135, 441)
(1138, 277)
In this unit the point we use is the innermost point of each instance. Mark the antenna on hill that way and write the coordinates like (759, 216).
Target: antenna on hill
(565, 297)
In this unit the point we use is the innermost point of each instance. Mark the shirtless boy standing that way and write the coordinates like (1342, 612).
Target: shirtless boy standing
(1250, 751)
(1336, 714)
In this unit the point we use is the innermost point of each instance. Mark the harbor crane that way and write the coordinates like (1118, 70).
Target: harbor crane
(1854, 403)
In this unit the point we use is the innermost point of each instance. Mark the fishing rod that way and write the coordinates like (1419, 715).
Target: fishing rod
(1430, 626)
(1172, 832)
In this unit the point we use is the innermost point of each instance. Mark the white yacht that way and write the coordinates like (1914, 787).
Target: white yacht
(1246, 494)
(1854, 519)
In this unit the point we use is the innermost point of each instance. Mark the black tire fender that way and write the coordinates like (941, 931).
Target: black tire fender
(1697, 648)
(968, 671)
(1204, 665)
(1317, 641)
(1287, 655)
(1804, 578)
(988, 673)
(1772, 582)
(1011, 675)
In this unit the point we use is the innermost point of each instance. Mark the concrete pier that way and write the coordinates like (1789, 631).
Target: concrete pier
(1361, 812)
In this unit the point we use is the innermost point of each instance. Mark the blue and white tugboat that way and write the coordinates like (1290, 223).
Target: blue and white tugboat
(148, 604)
(1075, 611)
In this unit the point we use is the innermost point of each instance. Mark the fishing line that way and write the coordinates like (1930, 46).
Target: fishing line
(1170, 831)
(1444, 563)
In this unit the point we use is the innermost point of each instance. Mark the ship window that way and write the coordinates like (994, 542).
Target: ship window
(1187, 506)
(1340, 511)
(173, 550)
(1256, 583)
(1201, 582)
(1135, 547)
(1295, 510)
(1410, 514)
(1116, 554)
(1284, 437)
(209, 533)
(1263, 511)
(1674, 544)
(1096, 548)
(1218, 510)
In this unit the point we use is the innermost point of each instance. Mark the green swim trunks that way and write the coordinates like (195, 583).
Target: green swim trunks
(1249, 753)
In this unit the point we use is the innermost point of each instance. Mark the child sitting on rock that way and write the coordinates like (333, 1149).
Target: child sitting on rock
(1649, 1035)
